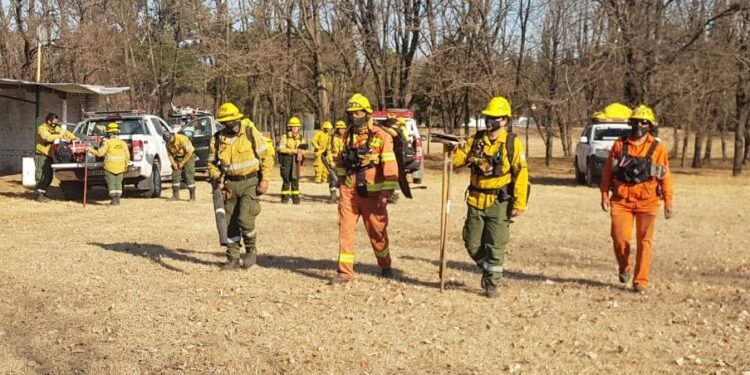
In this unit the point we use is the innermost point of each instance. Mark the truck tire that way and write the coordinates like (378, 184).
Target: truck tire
(580, 176)
(155, 190)
(72, 190)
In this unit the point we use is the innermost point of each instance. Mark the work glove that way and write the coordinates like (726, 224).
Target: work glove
(368, 159)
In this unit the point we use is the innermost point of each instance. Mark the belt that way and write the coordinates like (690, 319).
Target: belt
(485, 191)
(242, 178)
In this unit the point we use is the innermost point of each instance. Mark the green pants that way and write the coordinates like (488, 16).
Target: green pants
(43, 165)
(485, 235)
(289, 184)
(241, 209)
(187, 173)
(114, 183)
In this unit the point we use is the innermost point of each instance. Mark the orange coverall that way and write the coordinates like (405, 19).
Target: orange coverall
(636, 201)
(381, 181)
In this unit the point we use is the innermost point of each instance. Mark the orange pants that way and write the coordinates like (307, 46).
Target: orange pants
(644, 213)
(351, 207)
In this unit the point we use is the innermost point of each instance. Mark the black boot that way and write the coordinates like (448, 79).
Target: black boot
(192, 194)
(113, 200)
(175, 194)
(231, 264)
(334, 198)
(295, 199)
(284, 199)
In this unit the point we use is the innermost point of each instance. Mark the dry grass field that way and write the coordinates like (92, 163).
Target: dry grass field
(137, 289)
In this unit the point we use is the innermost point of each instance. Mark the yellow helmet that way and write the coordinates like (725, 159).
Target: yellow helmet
(358, 102)
(497, 107)
(391, 115)
(113, 127)
(599, 116)
(327, 125)
(228, 112)
(642, 112)
(340, 124)
(401, 121)
(294, 122)
(617, 111)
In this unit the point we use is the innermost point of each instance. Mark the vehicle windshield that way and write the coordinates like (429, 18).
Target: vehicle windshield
(197, 128)
(610, 134)
(128, 126)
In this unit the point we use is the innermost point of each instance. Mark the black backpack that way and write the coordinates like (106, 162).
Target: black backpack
(510, 150)
(634, 170)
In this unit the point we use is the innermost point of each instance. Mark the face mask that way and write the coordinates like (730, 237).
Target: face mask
(233, 129)
(359, 122)
(638, 131)
(492, 124)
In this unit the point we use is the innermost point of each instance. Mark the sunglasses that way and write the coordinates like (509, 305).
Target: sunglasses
(640, 122)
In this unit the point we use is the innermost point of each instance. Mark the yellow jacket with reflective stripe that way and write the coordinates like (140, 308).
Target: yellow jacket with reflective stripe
(337, 146)
(383, 176)
(520, 168)
(180, 148)
(271, 150)
(320, 142)
(288, 144)
(236, 156)
(115, 153)
(46, 136)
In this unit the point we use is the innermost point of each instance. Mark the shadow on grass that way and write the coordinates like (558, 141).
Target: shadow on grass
(516, 275)
(276, 198)
(323, 269)
(553, 181)
(156, 254)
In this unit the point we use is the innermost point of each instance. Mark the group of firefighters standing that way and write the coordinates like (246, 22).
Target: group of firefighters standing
(361, 154)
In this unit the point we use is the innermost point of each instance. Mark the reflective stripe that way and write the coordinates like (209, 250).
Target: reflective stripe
(341, 171)
(386, 185)
(489, 268)
(295, 192)
(243, 165)
(232, 240)
(250, 234)
(191, 186)
(115, 157)
(173, 185)
(41, 191)
(220, 211)
(286, 192)
(346, 258)
(383, 254)
(388, 156)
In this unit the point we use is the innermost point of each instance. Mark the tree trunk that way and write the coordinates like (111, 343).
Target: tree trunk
(697, 146)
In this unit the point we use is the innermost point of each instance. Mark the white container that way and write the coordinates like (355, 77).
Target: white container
(28, 175)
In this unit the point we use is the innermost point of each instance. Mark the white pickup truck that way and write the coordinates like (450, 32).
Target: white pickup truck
(593, 149)
(149, 163)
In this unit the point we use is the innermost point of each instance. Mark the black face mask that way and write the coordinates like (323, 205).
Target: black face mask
(232, 129)
(492, 124)
(359, 122)
(638, 131)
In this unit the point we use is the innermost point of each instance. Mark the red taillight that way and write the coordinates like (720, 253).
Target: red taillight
(420, 155)
(137, 150)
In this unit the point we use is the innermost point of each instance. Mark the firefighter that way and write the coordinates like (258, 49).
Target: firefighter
(636, 176)
(116, 157)
(46, 134)
(321, 142)
(496, 194)
(290, 158)
(368, 175)
(239, 159)
(335, 149)
(182, 157)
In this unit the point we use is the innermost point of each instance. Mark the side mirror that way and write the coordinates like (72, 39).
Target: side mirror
(583, 139)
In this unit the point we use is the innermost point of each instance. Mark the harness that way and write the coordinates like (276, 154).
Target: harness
(353, 163)
(495, 166)
(635, 170)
